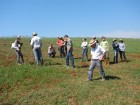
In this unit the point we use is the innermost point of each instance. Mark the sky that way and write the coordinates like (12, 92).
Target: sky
(76, 18)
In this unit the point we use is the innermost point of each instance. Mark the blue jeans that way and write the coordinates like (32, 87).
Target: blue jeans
(93, 64)
(85, 51)
(116, 56)
(19, 55)
(69, 56)
(38, 55)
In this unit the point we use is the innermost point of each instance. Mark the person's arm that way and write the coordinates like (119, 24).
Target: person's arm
(107, 46)
(32, 43)
(102, 56)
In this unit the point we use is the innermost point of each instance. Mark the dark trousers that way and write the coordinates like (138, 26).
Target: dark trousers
(61, 50)
(122, 55)
(19, 55)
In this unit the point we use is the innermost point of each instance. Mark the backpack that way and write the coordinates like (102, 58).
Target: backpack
(13, 46)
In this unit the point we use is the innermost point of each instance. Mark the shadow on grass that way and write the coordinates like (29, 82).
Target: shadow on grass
(83, 66)
(77, 57)
(127, 61)
(51, 63)
(108, 77)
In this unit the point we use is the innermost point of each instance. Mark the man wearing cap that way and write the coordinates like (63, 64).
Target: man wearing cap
(18, 45)
(69, 55)
(84, 46)
(115, 46)
(104, 44)
(97, 53)
(36, 44)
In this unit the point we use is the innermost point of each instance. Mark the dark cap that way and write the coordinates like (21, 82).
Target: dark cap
(66, 36)
(94, 38)
(103, 37)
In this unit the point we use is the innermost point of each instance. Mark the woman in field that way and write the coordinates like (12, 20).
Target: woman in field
(60, 43)
(122, 50)
(18, 44)
(84, 46)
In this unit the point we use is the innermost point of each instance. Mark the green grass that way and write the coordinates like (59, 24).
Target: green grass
(54, 84)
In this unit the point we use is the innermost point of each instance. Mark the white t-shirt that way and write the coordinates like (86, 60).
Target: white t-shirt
(97, 52)
(121, 46)
(84, 44)
(36, 42)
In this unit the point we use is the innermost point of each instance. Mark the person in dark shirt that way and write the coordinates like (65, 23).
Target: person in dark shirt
(115, 46)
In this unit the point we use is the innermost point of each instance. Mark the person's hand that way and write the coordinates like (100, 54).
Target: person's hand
(101, 58)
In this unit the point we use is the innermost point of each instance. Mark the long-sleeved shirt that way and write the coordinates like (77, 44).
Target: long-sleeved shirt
(104, 45)
(36, 42)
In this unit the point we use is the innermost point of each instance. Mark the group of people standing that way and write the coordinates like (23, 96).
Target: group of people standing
(99, 51)
(65, 47)
(119, 47)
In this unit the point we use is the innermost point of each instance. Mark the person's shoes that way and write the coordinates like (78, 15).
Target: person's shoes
(103, 79)
(73, 66)
(19, 64)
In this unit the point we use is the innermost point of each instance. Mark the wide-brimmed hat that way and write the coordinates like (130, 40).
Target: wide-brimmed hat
(114, 40)
(66, 36)
(19, 37)
(84, 39)
(120, 40)
(94, 38)
(34, 34)
(92, 42)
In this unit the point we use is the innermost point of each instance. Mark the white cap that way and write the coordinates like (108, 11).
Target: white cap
(19, 36)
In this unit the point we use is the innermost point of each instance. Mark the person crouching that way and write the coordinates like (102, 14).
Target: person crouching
(51, 51)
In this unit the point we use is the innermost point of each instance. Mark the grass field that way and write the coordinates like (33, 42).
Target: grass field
(54, 84)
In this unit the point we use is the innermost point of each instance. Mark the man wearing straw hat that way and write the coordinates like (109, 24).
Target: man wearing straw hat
(36, 44)
(97, 53)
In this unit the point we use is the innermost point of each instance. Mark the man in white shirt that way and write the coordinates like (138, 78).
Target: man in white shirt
(36, 44)
(97, 53)
(84, 46)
